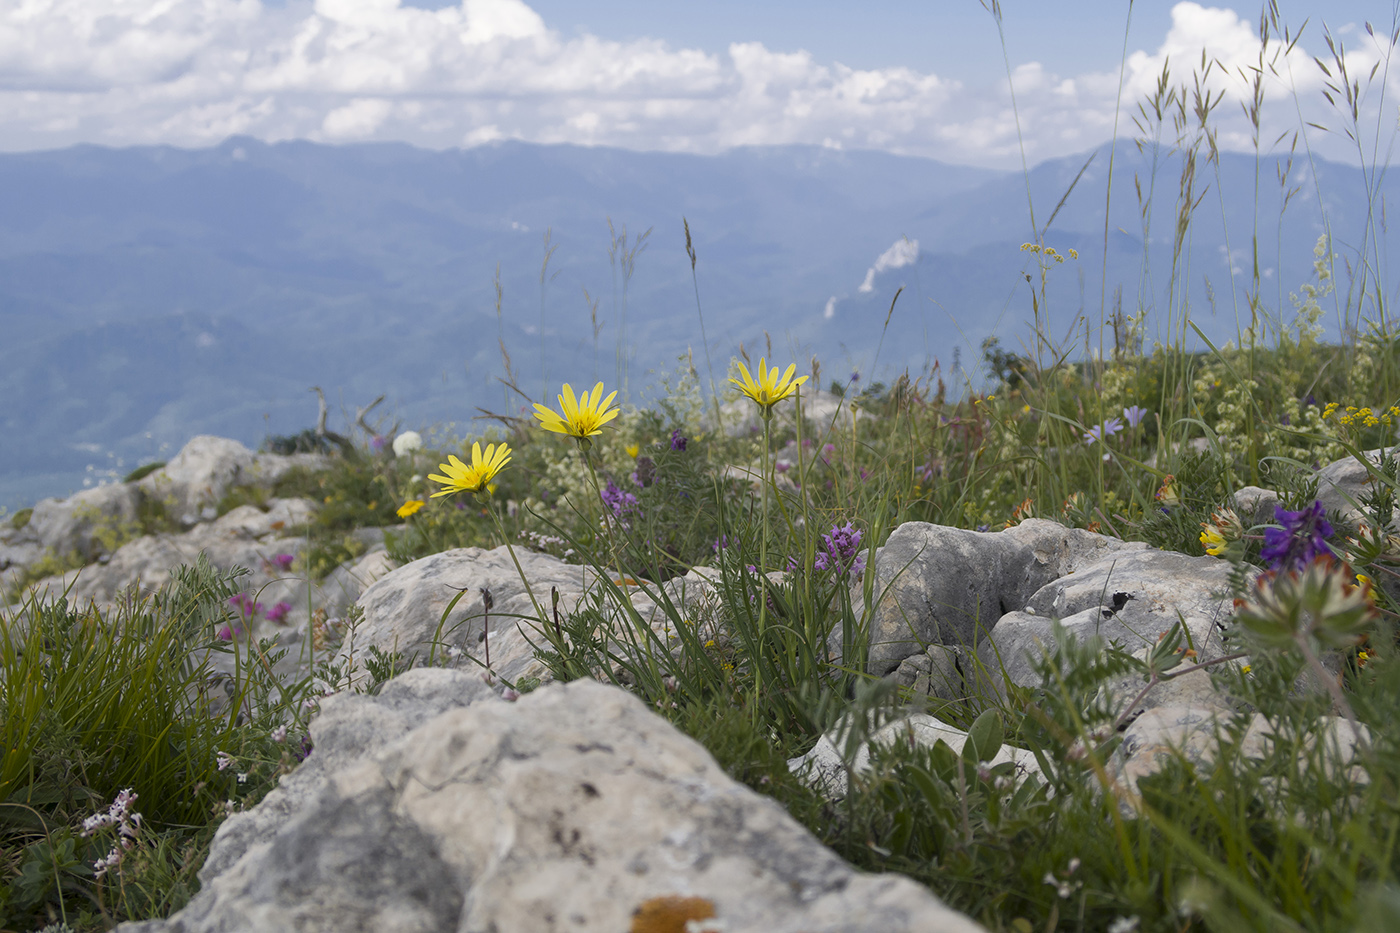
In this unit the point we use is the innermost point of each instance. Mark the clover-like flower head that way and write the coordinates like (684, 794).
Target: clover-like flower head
(582, 418)
(768, 390)
(473, 477)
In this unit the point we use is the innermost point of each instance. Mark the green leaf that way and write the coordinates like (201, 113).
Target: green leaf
(985, 737)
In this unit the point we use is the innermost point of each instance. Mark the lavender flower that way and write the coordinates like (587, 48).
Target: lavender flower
(840, 551)
(1134, 415)
(678, 440)
(1100, 431)
(622, 503)
(1301, 538)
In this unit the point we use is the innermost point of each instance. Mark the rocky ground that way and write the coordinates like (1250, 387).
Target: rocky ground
(439, 804)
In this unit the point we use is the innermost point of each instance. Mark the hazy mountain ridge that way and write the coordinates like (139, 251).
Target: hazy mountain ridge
(164, 291)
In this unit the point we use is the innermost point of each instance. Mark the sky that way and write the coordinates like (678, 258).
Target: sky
(923, 78)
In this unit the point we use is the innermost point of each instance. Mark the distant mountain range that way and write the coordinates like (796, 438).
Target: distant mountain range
(148, 294)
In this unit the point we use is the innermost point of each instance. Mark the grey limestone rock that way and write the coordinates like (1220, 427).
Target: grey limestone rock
(936, 585)
(939, 672)
(80, 522)
(1255, 505)
(564, 811)
(1139, 593)
(199, 475)
(1341, 484)
(1192, 733)
(403, 609)
(824, 768)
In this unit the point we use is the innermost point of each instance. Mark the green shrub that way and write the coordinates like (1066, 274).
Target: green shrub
(141, 472)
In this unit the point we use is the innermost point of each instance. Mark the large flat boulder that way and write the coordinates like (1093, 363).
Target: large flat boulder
(433, 807)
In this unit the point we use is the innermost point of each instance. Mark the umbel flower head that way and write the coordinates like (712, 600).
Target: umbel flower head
(582, 417)
(768, 390)
(473, 477)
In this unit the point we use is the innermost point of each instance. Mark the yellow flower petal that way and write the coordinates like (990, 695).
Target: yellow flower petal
(461, 477)
(580, 417)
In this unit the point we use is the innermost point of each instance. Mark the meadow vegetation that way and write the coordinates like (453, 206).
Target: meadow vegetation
(1111, 431)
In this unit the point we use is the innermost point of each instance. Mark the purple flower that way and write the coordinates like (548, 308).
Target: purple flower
(1134, 415)
(855, 377)
(283, 561)
(723, 542)
(619, 501)
(377, 442)
(1301, 537)
(229, 632)
(840, 551)
(678, 440)
(244, 605)
(278, 613)
(782, 466)
(1099, 431)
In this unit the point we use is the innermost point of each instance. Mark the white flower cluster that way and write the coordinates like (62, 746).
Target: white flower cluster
(127, 824)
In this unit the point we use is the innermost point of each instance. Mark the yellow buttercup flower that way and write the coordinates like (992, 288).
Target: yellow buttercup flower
(461, 477)
(408, 508)
(768, 390)
(633, 450)
(582, 417)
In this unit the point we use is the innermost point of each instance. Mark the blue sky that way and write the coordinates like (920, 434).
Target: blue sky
(923, 78)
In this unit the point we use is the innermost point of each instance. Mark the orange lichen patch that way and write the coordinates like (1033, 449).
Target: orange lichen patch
(669, 914)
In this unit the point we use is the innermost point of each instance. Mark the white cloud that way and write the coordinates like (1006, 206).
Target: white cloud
(829, 311)
(903, 253)
(191, 72)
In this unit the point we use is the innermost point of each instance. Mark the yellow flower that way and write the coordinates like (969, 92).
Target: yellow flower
(582, 418)
(409, 507)
(769, 390)
(1224, 526)
(463, 478)
(633, 450)
(1246, 669)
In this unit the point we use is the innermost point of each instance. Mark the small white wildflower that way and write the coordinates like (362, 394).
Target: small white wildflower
(243, 777)
(225, 760)
(407, 442)
(279, 734)
(1124, 925)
